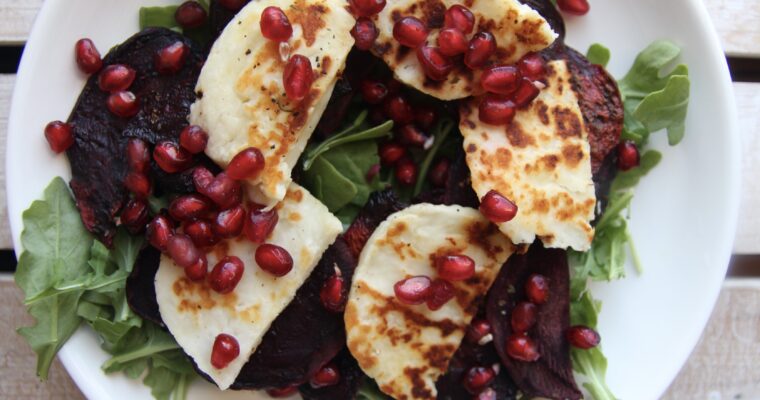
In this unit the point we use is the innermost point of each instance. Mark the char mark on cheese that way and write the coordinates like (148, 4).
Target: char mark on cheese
(551, 15)
(378, 208)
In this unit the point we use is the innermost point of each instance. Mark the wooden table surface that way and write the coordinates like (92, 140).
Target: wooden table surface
(724, 365)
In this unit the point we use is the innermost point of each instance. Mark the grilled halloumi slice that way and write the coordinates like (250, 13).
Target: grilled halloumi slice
(241, 98)
(195, 314)
(541, 162)
(406, 348)
(518, 30)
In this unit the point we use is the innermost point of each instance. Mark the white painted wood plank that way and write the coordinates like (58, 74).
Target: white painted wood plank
(6, 89)
(17, 17)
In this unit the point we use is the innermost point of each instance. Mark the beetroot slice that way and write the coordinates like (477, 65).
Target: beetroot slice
(351, 378)
(552, 375)
(379, 206)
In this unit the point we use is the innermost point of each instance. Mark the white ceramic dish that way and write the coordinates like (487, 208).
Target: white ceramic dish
(683, 215)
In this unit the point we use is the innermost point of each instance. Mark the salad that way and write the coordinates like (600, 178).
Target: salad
(347, 200)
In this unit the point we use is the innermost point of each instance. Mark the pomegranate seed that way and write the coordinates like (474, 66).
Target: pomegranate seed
(410, 32)
(331, 294)
(457, 267)
(229, 223)
(373, 92)
(274, 259)
(275, 25)
(478, 330)
(259, 224)
(123, 104)
(159, 231)
(435, 64)
(365, 33)
(394, 86)
(233, 5)
(411, 135)
(532, 66)
(298, 77)
(182, 250)
(226, 274)
(87, 56)
(523, 348)
(497, 208)
(459, 17)
(441, 291)
(135, 216)
(391, 152)
(59, 136)
(372, 172)
(523, 317)
(366, 8)
(414, 290)
(406, 172)
(197, 272)
(424, 117)
(190, 14)
(452, 42)
(222, 190)
(189, 207)
(477, 378)
(282, 392)
(138, 155)
(575, 7)
(138, 183)
(582, 337)
(115, 78)
(226, 349)
(537, 289)
(398, 109)
(171, 158)
(193, 139)
(481, 48)
(496, 110)
(486, 394)
(326, 376)
(501, 79)
(201, 232)
(439, 174)
(628, 155)
(171, 58)
(246, 165)
(526, 93)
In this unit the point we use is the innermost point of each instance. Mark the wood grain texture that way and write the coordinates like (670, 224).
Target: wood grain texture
(17, 17)
(6, 89)
(748, 230)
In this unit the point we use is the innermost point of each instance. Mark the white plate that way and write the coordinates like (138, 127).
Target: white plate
(683, 215)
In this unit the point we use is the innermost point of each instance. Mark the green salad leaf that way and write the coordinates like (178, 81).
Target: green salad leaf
(591, 363)
(598, 54)
(163, 17)
(442, 130)
(369, 391)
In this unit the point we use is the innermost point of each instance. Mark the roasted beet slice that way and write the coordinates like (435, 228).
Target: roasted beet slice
(141, 288)
(551, 375)
(378, 208)
(219, 17)
(337, 108)
(351, 378)
(98, 161)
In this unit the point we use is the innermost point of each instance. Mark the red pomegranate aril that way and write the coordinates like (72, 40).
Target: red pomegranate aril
(123, 104)
(282, 392)
(197, 272)
(439, 174)
(452, 42)
(171, 58)
(364, 33)
(135, 216)
(182, 250)
(497, 208)
(414, 290)
(259, 224)
(481, 47)
(189, 207)
(171, 158)
(159, 231)
(399, 110)
(201, 232)
(455, 267)
(87, 56)
(582, 337)
(523, 317)
(193, 139)
(406, 172)
(246, 165)
(391, 152)
(373, 92)
(496, 110)
(478, 378)
(328, 375)
(532, 66)
(222, 190)
(225, 350)
(59, 136)
(575, 7)
(459, 17)
(275, 25)
(436, 65)
(190, 14)
(501, 79)
(410, 32)
(366, 8)
(226, 274)
(233, 5)
(138, 155)
(424, 117)
(115, 78)
(522, 348)
(274, 259)
(537, 289)
(298, 77)
(628, 155)
(478, 330)
(441, 291)
(138, 184)
(486, 394)
(229, 223)
(526, 93)
(331, 294)
(411, 135)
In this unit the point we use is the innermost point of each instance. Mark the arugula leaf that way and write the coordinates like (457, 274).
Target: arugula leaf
(442, 129)
(598, 54)
(347, 136)
(329, 185)
(369, 391)
(629, 179)
(354, 160)
(591, 363)
(666, 109)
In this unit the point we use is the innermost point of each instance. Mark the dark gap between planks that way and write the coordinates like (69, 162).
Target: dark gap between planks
(9, 58)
